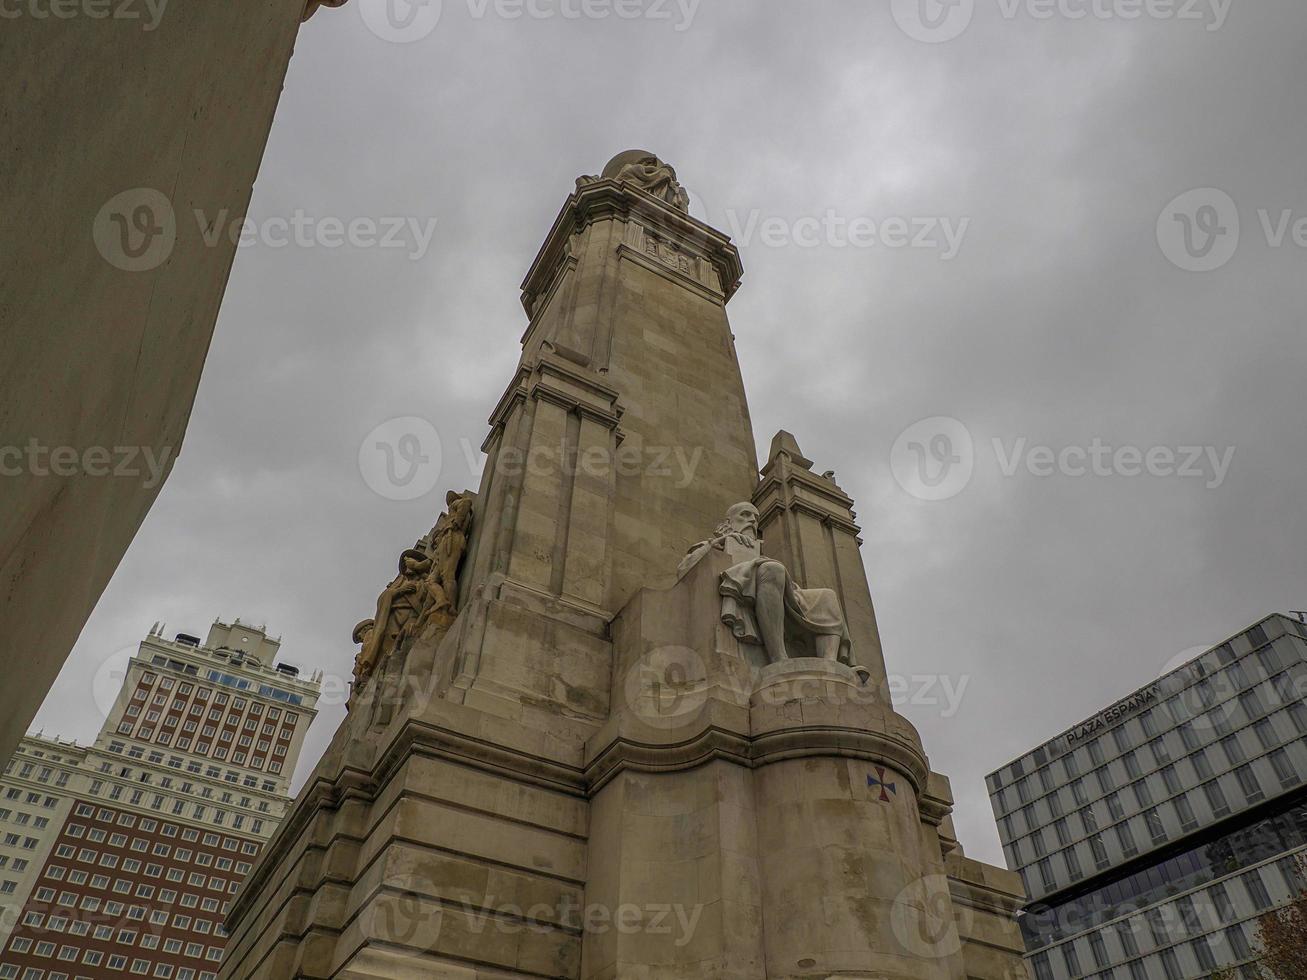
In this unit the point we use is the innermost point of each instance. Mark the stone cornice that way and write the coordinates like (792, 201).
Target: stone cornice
(554, 379)
(769, 507)
(414, 738)
(611, 199)
(801, 742)
(657, 268)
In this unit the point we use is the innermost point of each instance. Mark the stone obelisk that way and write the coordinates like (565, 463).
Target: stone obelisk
(623, 712)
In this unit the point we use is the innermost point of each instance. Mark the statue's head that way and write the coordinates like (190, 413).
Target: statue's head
(459, 508)
(743, 517)
(413, 562)
(363, 630)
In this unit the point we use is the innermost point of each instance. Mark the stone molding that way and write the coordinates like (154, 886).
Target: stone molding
(625, 251)
(572, 387)
(609, 199)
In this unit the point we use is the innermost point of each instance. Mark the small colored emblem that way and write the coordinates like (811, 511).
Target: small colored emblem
(887, 789)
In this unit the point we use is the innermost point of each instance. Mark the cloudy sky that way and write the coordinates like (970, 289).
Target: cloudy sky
(1053, 289)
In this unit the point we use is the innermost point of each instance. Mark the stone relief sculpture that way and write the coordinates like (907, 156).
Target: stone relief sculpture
(446, 544)
(362, 635)
(760, 601)
(398, 608)
(425, 591)
(644, 170)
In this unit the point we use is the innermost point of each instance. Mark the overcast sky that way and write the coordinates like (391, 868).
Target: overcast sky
(1050, 149)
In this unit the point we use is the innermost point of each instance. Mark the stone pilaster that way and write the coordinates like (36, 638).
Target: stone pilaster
(808, 525)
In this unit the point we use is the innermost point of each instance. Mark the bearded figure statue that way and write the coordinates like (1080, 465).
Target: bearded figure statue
(760, 601)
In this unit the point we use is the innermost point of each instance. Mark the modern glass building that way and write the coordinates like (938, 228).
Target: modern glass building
(1152, 835)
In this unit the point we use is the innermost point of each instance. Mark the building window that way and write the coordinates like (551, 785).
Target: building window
(1252, 881)
(1238, 942)
(1185, 812)
(1203, 953)
(1216, 799)
(1156, 829)
(1284, 770)
(1101, 860)
(1126, 839)
(1220, 899)
(1252, 791)
(1071, 959)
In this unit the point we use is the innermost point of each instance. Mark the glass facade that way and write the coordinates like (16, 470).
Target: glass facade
(1165, 816)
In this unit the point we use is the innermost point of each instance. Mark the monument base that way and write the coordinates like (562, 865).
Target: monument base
(729, 822)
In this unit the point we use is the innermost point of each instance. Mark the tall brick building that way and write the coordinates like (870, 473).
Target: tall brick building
(119, 859)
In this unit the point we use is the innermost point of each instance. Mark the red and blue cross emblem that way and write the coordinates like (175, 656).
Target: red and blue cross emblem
(878, 781)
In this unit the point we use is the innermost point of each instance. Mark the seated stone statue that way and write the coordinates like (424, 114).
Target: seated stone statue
(760, 599)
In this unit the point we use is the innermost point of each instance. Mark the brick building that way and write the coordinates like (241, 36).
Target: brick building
(119, 859)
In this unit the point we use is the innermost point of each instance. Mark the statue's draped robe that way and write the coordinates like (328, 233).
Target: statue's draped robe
(813, 610)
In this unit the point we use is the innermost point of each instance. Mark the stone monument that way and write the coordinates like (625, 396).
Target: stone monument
(582, 745)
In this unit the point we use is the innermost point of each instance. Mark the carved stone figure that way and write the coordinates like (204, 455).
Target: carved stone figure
(362, 635)
(425, 591)
(644, 170)
(446, 544)
(398, 610)
(759, 598)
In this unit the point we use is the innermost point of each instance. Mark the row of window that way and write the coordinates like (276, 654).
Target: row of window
(202, 701)
(1204, 928)
(150, 826)
(1233, 939)
(203, 748)
(105, 859)
(1033, 850)
(1274, 835)
(206, 792)
(23, 819)
(193, 766)
(96, 908)
(107, 933)
(1270, 732)
(1177, 683)
(43, 774)
(114, 962)
(36, 799)
(117, 792)
(203, 694)
(209, 731)
(59, 920)
(1168, 722)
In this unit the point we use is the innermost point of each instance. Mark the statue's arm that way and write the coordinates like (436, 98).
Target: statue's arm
(696, 553)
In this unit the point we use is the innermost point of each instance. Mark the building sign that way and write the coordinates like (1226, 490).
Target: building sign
(1112, 715)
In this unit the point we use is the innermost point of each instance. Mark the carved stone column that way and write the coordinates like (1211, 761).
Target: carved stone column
(807, 524)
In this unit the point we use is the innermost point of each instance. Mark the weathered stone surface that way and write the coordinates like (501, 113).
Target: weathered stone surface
(590, 775)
